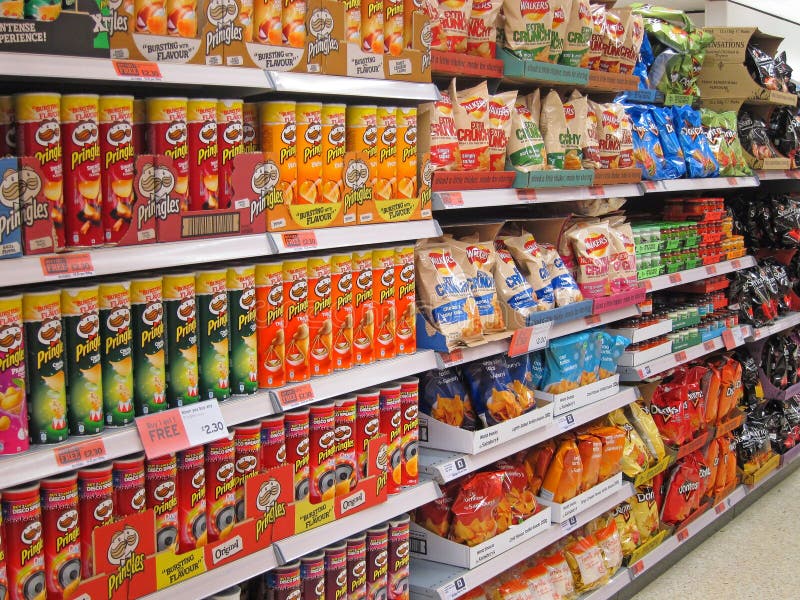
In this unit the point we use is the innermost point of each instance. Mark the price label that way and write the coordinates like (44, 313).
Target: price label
(733, 181)
(650, 186)
(646, 306)
(295, 396)
(566, 422)
(597, 191)
(733, 338)
(593, 320)
(648, 285)
(736, 264)
(453, 358)
(529, 339)
(680, 356)
(675, 278)
(708, 346)
(67, 266)
(81, 454)
(180, 428)
(454, 469)
(711, 269)
(526, 195)
(137, 70)
(683, 535)
(637, 568)
(299, 240)
(720, 508)
(454, 589)
(452, 199)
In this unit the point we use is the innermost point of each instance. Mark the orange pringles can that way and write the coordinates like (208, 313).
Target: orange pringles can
(270, 325)
(293, 23)
(322, 452)
(372, 26)
(405, 309)
(220, 492)
(182, 18)
(362, 135)
(347, 472)
(279, 136)
(386, 152)
(161, 483)
(342, 310)
(368, 425)
(393, 27)
(150, 16)
(352, 20)
(333, 149)
(247, 446)
(61, 535)
(250, 128)
(295, 299)
(246, 19)
(139, 126)
(230, 116)
(167, 135)
(296, 434)
(406, 153)
(267, 28)
(201, 134)
(25, 561)
(320, 324)
(38, 134)
(117, 154)
(309, 152)
(409, 404)
(384, 298)
(95, 508)
(363, 309)
(392, 428)
(191, 498)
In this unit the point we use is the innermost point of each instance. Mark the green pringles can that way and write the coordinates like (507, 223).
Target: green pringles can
(116, 353)
(214, 349)
(80, 316)
(42, 10)
(147, 345)
(242, 308)
(44, 350)
(180, 319)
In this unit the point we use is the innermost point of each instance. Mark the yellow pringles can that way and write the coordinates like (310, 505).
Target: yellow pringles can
(386, 151)
(333, 149)
(362, 135)
(406, 154)
(278, 136)
(267, 22)
(309, 152)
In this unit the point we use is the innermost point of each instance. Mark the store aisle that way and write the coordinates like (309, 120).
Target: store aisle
(753, 557)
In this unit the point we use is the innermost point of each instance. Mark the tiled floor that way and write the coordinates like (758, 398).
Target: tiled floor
(753, 557)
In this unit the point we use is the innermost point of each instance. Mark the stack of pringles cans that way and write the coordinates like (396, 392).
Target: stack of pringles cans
(197, 496)
(86, 145)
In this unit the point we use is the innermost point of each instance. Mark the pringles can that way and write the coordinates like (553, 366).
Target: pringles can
(116, 352)
(336, 572)
(279, 136)
(167, 135)
(284, 583)
(229, 142)
(80, 311)
(270, 323)
(95, 507)
(247, 446)
(297, 444)
(362, 133)
(213, 340)
(409, 405)
(150, 16)
(406, 154)
(377, 561)
(117, 154)
(161, 485)
(333, 149)
(201, 132)
(399, 555)
(405, 283)
(372, 26)
(393, 27)
(347, 471)
(312, 576)
(273, 442)
(386, 152)
(83, 196)
(220, 488)
(45, 365)
(322, 451)
(342, 310)
(182, 18)
(384, 293)
(22, 519)
(357, 567)
(392, 428)
(293, 22)
(309, 152)
(61, 535)
(368, 425)
(13, 407)
(295, 298)
(320, 325)
(147, 327)
(130, 494)
(363, 309)
(191, 498)
(250, 127)
(267, 22)
(180, 314)
(241, 285)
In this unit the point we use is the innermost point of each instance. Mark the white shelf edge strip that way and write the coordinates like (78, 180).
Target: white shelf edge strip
(442, 464)
(294, 547)
(709, 183)
(362, 235)
(786, 322)
(662, 282)
(305, 83)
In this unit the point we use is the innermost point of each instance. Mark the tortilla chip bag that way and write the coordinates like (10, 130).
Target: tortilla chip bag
(585, 559)
(591, 451)
(521, 502)
(629, 535)
(445, 398)
(645, 511)
(611, 545)
(491, 391)
(520, 372)
(539, 582)
(565, 358)
(560, 574)
(646, 428)
(563, 479)
(634, 457)
(613, 439)
(473, 510)
(436, 516)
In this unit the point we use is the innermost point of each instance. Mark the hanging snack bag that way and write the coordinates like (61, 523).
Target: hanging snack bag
(473, 510)
(565, 290)
(558, 28)
(526, 149)
(445, 295)
(471, 110)
(563, 479)
(501, 111)
(532, 264)
(445, 398)
(585, 560)
(482, 28)
(575, 113)
(578, 35)
(565, 363)
(554, 128)
(444, 142)
(491, 391)
(527, 28)
(700, 159)
(516, 294)
(592, 249)
(674, 159)
(454, 15)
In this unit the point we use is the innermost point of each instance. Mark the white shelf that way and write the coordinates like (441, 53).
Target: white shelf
(294, 547)
(778, 175)
(519, 197)
(303, 83)
(612, 588)
(357, 235)
(786, 322)
(691, 185)
(436, 580)
(445, 466)
(662, 282)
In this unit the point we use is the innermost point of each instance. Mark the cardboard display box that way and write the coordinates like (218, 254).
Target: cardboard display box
(582, 396)
(563, 511)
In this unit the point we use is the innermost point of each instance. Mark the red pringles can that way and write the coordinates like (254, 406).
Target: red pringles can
(409, 405)
(201, 131)
(368, 425)
(357, 567)
(322, 452)
(377, 561)
(61, 535)
(230, 118)
(191, 470)
(312, 576)
(83, 195)
(161, 484)
(220, 488)
(130, 496)
(95, 508)
(247, 447)
(166, 134)
(38, 133)
(273, 442)
(22, 519)
(399, 554)
(336, 572)
(392, 428)
(116, 158)
(284, 583)
(347, 472)
(297, 443)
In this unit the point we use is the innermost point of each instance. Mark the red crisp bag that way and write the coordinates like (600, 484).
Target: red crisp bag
(705, 475)
(473, 511)
(518, 498)
(669, 409)
(436, 516)
(591, 450)
(563, 479)
(536, 463)
(687, 482)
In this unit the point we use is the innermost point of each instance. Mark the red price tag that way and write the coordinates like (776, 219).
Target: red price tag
(711, 269)
(299, 240)
(593, 320)
(137, 69)
(296, 395)
(67, 266)
(708, 346)
(736, 264)
(733, 338)
(648, 285)
(675, 278)
(81, 453)
(454, 357)
(683, 535)
(680, 356)
(163, 433)
(720, 508)
(526, 195)
(520, 341)
(733, 181)
(650, 186)
(451, 199)
(637, 568)
(597, 190)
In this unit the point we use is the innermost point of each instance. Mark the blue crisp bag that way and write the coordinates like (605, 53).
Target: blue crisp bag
(491, 390)
(675, 166)
(538, 369)
(700, 160)
(564, 359)
(520, 372)
(612, 347)
(591, 360)
(444, 397)
(647, 150)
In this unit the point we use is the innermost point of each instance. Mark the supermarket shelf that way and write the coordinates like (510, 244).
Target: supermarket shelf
(429, 579)
(446, 466)
(358, 235)
(577, 325)
(692, 185)
(294, 547)
(304, 83)
(662, 282)
(778, 175)
(786, 322)
(515, 197)
(611, 589)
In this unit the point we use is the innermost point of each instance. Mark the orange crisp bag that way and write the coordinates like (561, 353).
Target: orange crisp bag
(591, 450)
(482, 28)
(537, 462)
(436, 516)
(563, 479)
(613, 439)
(471, 111)
(473, 510)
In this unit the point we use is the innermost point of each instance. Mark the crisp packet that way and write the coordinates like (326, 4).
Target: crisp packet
(565, 290)
(675, 162)
(563, 479)
(565, 357)
(445, 398)
(519, 370)
(512, 288)
(721, 131)
(647, 150)
(700, 160)
(634, 457)
(646, 428)
(611, 349)
(477, 260)
(591, 359)
(473, 510)
(538, 369)
(532, 264)
(491, 390)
